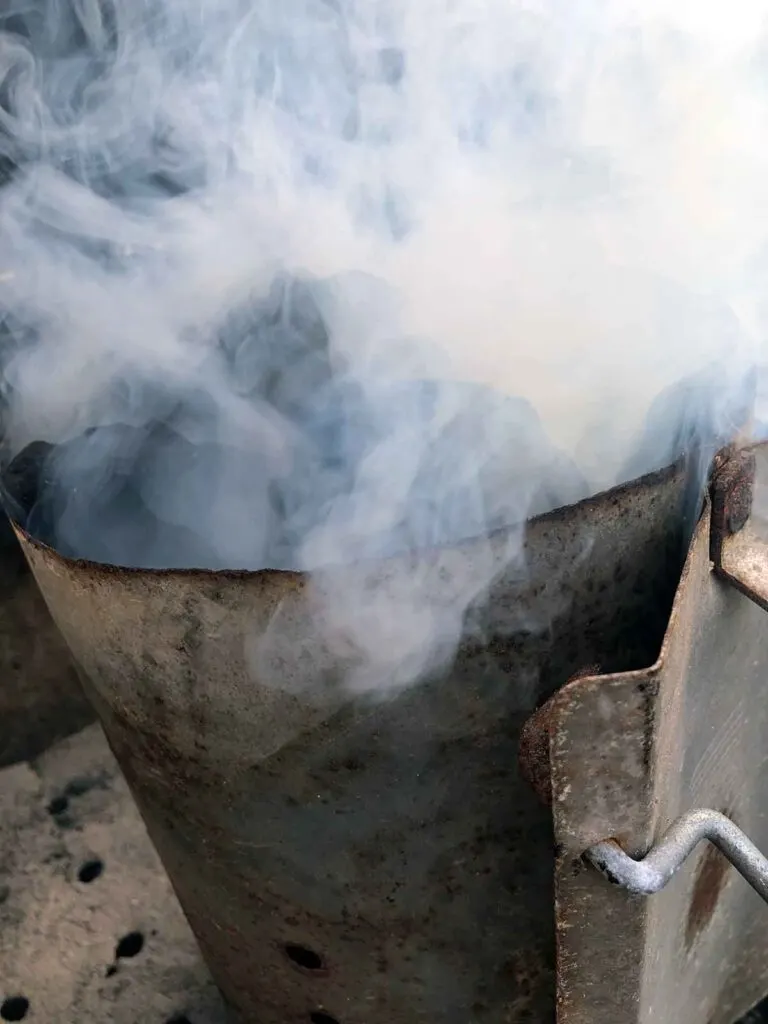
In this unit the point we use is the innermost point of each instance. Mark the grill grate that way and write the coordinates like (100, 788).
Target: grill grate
(89, 928)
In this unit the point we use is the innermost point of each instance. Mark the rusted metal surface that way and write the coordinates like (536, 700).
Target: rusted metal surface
(711, 876)
(731, 495)
(741, 556)
(41, 699)
(533, 751)
(394, 846)
(630, 753)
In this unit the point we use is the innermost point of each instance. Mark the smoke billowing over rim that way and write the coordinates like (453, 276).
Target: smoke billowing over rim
(578, 511)
(332, 282)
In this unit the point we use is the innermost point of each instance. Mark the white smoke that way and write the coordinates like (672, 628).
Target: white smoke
(235, 230)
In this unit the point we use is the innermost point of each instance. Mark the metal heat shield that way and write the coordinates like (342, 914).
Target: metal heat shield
(631, 752)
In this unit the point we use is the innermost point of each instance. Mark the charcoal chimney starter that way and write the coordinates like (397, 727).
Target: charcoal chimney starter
(369, 861)
(311, 314)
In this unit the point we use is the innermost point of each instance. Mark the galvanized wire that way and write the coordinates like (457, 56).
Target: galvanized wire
(652, 872)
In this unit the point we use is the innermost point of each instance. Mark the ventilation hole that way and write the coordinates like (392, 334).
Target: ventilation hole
(129, 946)
(58, 805)
(81, 785)
(318, 1017)
(303, 957)
(14, 1008)
(90, 871)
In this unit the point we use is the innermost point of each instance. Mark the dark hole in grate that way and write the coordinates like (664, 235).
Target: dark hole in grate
(14, 1008)
(90, 871)
(303, 957)
(77, 787)
(81, 785)
(58, 805)
(129, 946)
(318, 1017)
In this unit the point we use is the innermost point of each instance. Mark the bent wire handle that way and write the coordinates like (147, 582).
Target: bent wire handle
(650, 874)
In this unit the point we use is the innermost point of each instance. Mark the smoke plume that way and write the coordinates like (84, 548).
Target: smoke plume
(301, 283)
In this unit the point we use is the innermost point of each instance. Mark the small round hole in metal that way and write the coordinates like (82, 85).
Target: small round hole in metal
(90, 871)
(129, 946)
(14, 1008)
(304, 958)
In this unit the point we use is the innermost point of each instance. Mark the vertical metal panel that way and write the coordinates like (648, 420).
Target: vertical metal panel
(630, 753)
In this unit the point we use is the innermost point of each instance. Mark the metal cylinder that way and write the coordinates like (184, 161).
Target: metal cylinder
(347, 860)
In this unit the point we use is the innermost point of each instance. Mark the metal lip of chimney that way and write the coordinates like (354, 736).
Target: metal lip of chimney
(595, 502)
